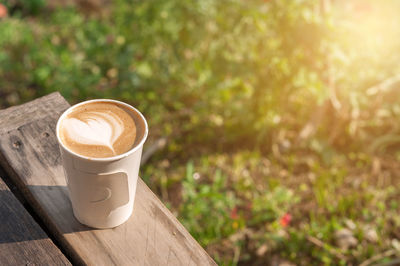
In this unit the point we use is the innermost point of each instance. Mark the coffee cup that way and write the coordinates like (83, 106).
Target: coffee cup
(101, 187)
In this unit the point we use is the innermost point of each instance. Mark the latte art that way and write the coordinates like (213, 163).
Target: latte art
(95, 128)
(98, 129)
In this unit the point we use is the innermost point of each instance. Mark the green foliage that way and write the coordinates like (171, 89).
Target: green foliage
(182, 51)
(207, 207)
(271, 205)
(24, 7)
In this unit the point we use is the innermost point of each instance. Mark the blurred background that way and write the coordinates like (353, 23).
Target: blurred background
(274, 135)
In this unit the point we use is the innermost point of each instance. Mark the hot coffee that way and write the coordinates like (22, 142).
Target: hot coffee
(98, 129)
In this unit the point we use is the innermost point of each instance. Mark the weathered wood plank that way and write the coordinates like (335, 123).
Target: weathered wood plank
(49, 105)
(152, 236)
(22, 241)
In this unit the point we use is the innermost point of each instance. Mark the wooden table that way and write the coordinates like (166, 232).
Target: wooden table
(39, 228)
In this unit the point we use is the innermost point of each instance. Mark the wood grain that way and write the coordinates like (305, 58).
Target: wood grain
(14, 117)
(29, 152)
(22, 241)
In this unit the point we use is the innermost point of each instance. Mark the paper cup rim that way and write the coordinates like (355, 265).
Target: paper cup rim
(102, 159)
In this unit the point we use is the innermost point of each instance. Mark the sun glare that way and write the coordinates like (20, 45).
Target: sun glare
(371, 27)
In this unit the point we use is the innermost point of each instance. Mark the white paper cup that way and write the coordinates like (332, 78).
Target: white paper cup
(102, 190)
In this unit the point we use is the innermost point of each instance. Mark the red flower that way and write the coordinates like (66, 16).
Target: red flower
(285, 219)
(3, 11)
(234, 213)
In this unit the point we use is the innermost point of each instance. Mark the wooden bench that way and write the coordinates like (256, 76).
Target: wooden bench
(30, 156)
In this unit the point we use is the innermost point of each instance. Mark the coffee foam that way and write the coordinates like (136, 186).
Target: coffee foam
(98, 129)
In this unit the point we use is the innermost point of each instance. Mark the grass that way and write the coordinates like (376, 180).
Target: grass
(249, 196)
(275, 152)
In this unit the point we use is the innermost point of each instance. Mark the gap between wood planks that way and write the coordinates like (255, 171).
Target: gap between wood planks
(14, 189)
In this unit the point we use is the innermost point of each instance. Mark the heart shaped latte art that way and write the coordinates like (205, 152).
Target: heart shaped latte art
(95, 128)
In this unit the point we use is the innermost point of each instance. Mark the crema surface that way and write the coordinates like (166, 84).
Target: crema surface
(98, 129)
